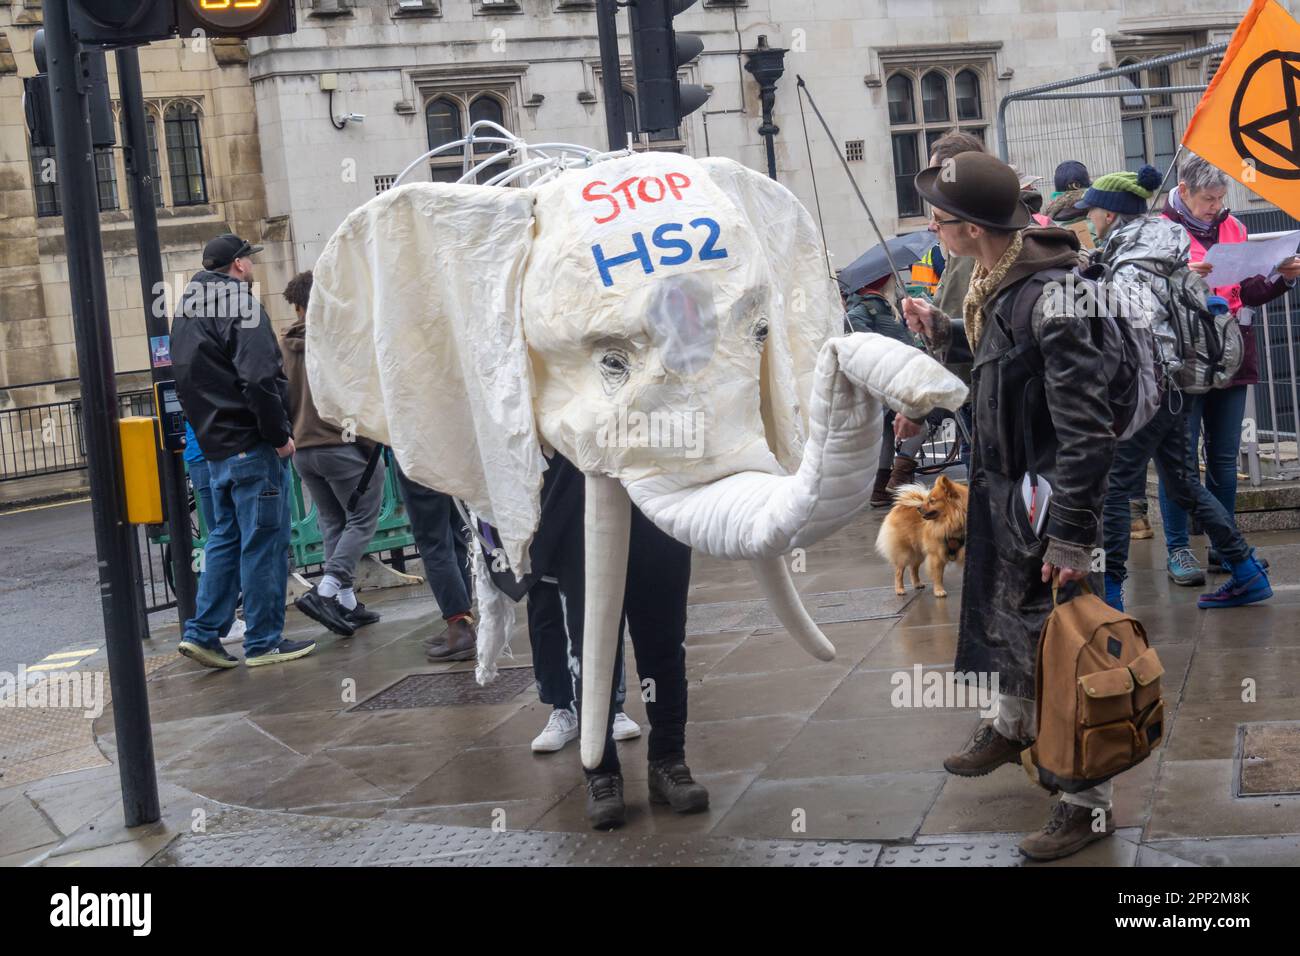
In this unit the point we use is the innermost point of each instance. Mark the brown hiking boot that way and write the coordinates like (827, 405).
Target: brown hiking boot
(1068, 830)
(904, 472)
(880, 496)
(986, 751)
(1140, 525)
(460, 643)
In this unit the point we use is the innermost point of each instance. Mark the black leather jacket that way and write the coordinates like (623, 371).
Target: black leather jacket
(228, 367)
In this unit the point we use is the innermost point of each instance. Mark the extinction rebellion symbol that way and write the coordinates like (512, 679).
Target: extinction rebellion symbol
(1277, 132)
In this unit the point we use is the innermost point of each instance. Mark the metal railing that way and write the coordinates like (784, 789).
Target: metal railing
(47, 438)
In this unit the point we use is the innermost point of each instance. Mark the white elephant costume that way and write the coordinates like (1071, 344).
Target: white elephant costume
(666, 324)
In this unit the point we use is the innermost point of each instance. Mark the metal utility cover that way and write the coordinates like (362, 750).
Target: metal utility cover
(1268, 759)
(448, 689)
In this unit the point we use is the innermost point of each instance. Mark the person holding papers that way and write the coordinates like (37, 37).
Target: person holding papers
(1197, 206)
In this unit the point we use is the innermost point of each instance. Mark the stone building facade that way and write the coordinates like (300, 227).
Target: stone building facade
(252, 140)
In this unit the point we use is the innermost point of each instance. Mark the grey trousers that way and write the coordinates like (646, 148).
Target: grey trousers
(330, 474)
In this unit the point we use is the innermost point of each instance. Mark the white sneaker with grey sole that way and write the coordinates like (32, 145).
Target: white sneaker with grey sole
(559, 730)
(625, 728)
(236, 635)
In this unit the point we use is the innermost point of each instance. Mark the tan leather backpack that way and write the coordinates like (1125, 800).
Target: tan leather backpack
(1098, 696)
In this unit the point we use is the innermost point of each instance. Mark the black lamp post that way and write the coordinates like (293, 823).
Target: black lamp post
(767, 64)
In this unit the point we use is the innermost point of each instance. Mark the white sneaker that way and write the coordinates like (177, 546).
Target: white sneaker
(625, 728)
(236, 635)
(559, 730)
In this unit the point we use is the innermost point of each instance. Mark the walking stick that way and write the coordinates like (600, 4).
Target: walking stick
(893, 266)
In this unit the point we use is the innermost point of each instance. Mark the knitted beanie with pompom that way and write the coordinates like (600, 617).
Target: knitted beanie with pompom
(1124, 193)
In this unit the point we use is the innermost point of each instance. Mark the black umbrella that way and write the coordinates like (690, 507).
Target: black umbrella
(874, 264)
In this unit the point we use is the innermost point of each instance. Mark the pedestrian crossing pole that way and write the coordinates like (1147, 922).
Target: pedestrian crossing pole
(114, 536)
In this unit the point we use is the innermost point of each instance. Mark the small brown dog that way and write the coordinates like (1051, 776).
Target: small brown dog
(925, 524)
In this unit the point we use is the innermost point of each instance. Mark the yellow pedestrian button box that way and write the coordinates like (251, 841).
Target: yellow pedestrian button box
(140, 471)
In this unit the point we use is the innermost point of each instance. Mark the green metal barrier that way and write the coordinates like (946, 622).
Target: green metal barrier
(392, 533)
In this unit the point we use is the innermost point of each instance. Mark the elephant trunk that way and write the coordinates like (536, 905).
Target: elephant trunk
(758, 517)
(607, 524)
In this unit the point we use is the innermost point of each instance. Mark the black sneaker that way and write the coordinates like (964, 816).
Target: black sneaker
(327, 611)
(359, 616)
(605, 809)
(284, 651)
(207, 656)
(671, 783)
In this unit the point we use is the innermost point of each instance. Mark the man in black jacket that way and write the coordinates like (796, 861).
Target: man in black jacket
(1039, 393)
(231, 382)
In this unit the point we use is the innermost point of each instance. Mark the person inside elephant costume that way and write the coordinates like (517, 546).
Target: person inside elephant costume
(667, 325)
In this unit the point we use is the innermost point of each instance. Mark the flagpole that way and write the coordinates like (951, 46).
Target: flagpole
(1173, 164)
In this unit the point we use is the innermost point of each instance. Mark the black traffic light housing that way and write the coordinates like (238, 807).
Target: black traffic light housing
(119, 23)
(657, 52)
(36, 98)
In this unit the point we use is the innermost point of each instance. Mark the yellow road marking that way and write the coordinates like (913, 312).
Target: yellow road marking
(52, 667)
(63, 654)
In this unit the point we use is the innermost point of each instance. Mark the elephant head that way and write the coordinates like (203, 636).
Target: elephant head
(667, 324)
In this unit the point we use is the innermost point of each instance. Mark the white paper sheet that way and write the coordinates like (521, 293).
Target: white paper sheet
(1236, 261)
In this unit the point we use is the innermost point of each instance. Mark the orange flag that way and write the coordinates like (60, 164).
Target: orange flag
(1248, 121)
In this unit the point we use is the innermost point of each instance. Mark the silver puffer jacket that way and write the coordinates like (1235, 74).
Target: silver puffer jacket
(1141, 256)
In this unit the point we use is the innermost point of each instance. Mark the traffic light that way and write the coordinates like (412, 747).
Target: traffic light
(119, 23)
(657, 52)
(114, 23)
(235, 18)
(37, 105)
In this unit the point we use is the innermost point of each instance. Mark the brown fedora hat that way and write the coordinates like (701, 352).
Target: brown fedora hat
(976, 188)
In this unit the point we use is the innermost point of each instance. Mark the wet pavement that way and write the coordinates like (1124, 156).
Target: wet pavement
(807, 763)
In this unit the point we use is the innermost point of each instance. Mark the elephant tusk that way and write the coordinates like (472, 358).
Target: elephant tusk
(774, 579)
(607, 527)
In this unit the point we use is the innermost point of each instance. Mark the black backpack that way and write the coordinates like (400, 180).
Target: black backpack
(1129, 354)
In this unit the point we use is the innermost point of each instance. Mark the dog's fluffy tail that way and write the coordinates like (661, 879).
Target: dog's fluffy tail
(911, 496)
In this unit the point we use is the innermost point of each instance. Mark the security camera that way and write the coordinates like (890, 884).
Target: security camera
(355, 118)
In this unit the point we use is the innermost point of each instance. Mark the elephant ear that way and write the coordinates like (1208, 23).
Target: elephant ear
(415, 338)
(805, 308)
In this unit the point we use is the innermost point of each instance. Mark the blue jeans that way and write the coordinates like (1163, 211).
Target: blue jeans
(1220, 412)
(1167, 439)
(246, 548)
(201, 479)
(440, 536)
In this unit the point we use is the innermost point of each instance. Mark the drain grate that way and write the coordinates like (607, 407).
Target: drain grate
(1268, 759)
(829, 607)
(449, 689)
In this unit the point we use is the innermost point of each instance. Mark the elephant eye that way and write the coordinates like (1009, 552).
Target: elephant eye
(615, 366)
(758, 331)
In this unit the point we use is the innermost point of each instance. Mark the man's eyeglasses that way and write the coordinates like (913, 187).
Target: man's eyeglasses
(945, 222)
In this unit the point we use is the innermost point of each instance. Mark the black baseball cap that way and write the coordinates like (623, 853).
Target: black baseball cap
(225, 249)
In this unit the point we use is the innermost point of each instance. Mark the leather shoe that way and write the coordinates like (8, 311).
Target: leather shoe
(459, 644)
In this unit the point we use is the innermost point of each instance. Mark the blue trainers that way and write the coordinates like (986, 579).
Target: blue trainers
(1184, 569)
(1115, 592)
(1248, 585)
(1220, 565)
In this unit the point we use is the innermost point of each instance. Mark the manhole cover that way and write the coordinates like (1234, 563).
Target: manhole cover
(829, 607)
(453, 687)
(1268, 759)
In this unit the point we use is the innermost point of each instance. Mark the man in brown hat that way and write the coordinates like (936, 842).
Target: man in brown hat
(1039, 394)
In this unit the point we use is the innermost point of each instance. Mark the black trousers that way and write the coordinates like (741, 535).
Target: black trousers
(654, 612)
(554, 670)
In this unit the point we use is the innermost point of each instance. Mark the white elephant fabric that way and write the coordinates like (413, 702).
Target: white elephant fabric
(657, 287)
(805, 308)
(415, 338)
(755, 515)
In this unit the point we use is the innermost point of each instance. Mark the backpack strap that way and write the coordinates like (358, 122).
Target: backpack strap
(1025, 350)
